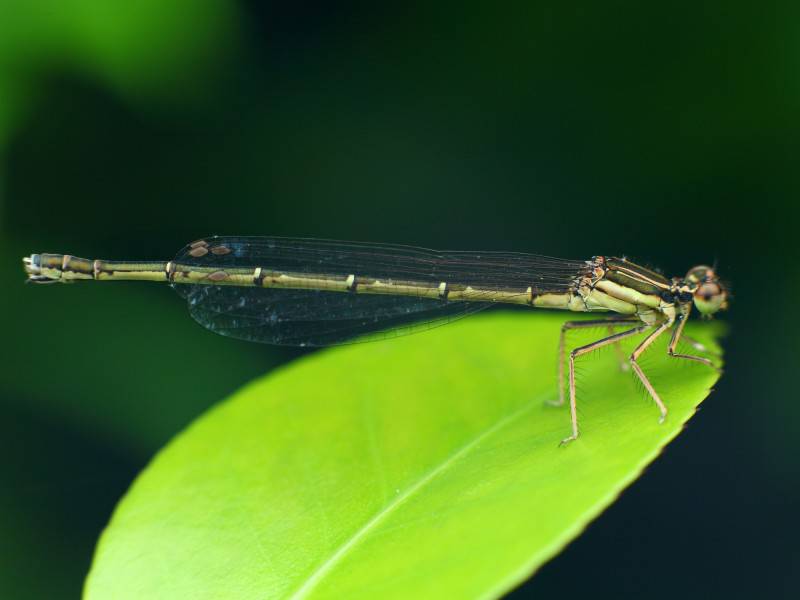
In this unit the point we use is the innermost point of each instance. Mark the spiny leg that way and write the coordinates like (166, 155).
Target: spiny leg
(677, 335)
(700, 347)
(635, 357)
(585, 350)
(609, 322)
(701, 359)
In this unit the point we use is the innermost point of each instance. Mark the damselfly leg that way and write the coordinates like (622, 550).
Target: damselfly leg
(585, 350)
(677, 335)
(638, 370)
(609, 323)
(699, 346)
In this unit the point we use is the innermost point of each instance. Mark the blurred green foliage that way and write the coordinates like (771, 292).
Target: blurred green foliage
(669, 132)
(147, 50)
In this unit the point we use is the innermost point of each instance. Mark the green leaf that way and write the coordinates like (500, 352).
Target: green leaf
(426, 467)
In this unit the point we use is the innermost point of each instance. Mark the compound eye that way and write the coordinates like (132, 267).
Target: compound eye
(709, 297)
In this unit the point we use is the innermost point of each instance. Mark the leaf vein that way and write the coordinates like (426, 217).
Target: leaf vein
(308, 586)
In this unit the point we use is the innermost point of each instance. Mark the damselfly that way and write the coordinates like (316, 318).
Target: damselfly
(304, 292)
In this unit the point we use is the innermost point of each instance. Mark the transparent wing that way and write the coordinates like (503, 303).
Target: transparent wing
(320, 318)
(314, 317)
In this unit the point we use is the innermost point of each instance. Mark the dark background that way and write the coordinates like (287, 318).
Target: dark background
(668, 133)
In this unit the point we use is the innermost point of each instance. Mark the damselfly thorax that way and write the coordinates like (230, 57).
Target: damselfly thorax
(305, 292)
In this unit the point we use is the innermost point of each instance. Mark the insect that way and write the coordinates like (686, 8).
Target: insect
(306, 292)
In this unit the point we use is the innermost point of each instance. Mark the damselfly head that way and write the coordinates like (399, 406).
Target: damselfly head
(709, 294)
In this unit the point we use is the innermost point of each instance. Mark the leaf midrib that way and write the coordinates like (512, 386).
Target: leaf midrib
(328, 565)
